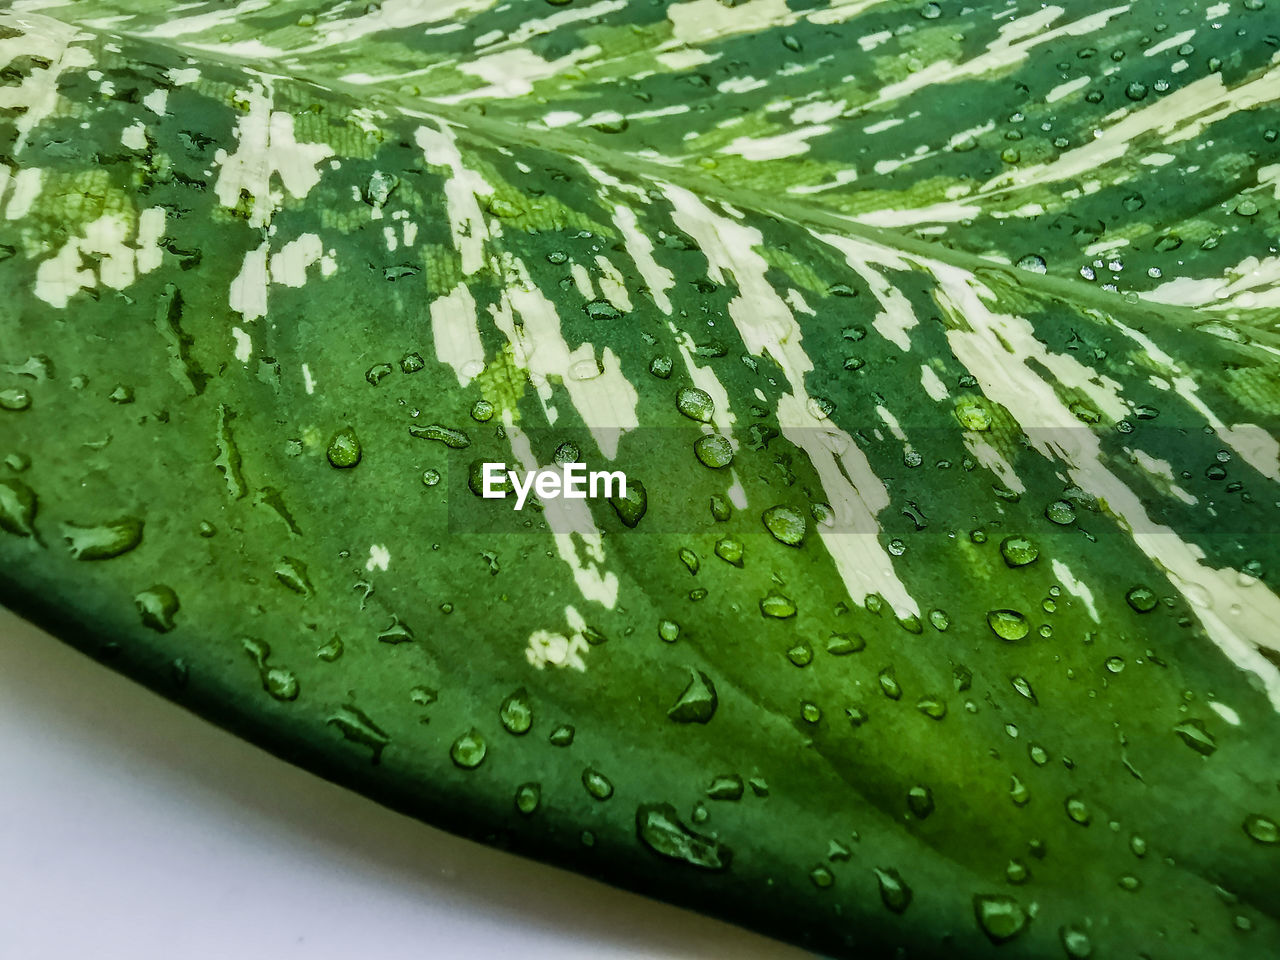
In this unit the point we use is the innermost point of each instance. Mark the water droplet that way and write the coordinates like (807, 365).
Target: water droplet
(1018, 791)
(158, 607)
(713, 451)
(1195, 736)
(1033, 263)
(482, 411)
(411, 363)
(292, 572)
(840, 644)
(1115, 664)
(562, 736)
(18, 504)
(931, 11)
(726, 786)
(377, 372)
(1023, 687)
(659, 828)
(801, 654)
(729, 550)
(786, 525)
(451, 437)
(597, 784)
(1061, 512)
(935, 708)
(669, 630)
(1141, 598)
(1262, 829)
(344, 449)
(698, 702)
(1136, 91)
(356, 727)
(103, 541)
(939, 619)
(660, 367)
(822, 877)
(920, 801)
(332, 650)
(516, 713)
(1018, 551)
(894, 891)
(1017, 872)
(696, 404)
(1075, 942)
(777, 605)
(999, 916)
(889, 685)
(528, 796)
(468, 750)
(1008, 624)
(15, 399)
(430, 477)
(631, 508)
(1078, 811)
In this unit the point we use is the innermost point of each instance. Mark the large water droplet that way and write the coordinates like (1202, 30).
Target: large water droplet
(1018, 551)
(894, 891)
(713, 451)
(516, 713)
(158, 606)
(468, 750)
(696, 404)
(697, 704)
(1000, 916)
(344, 449)
(1008, 624)
(17, 507)
(103, 541)
(786, 525)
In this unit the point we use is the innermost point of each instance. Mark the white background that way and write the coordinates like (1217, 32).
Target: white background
(131, 829)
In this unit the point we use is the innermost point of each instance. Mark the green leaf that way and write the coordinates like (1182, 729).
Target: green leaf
(937, 344)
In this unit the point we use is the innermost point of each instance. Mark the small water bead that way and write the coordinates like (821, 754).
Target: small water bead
(661, 367)
(713, 451)
(1008, 624)
(810, 712)
(1136, 91)
(857, 716)
(1138, 845)
(786, 525)
(940, 620)
(721, 509)
(528, 796)
(597, 784)
(430, 477)
(1196, 736)
(1017, 872)
(468, 750)
(482, 411)
(411, 363)
(1032, 263)
(561, 736)
(516, 713)
(631, 508)
(935, 708)
(1023, 687)
(1114, 664)
(669, 630)
(695, 403)
(822, 877)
